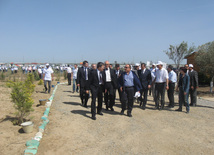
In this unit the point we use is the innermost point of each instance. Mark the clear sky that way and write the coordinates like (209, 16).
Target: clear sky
(99, 30)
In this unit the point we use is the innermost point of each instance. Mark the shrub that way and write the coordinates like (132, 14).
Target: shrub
(36, 76)
(65, 75)
(2, 77)
(21, 97)
(40, 82)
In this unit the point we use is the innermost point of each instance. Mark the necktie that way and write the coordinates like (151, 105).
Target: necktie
(85, 74)
(101, 80)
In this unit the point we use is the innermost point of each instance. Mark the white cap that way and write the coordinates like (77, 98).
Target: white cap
(160, 63)
(47, 64)
(153, 64)
(137, 64)
(191, 65)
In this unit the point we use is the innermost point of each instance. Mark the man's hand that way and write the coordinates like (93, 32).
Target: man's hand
(149, 86)
(121, 89)
(192, 87)
(105, 90)
(78, 85)
(185, 93)
(167, 87)
(177, 89)
(87, 91)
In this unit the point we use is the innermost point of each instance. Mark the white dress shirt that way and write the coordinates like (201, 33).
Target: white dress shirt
(172, 76)
(69, 70)
(161, 75)
(108, 75)
(48, 72)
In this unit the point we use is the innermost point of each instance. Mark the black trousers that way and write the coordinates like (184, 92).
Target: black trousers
(84, 96)
(170, 93)
(49, 86)
(69, 78)
(144, 93)
(160, 92)
(109, 95)
(97, 92)
(129, 91)
(193, 96)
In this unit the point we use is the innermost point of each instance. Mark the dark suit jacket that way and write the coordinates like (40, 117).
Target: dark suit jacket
(81, 78)
(185, 81)
(193, 78)
(145, 78)
(113, 78)
(94, 80)
(136, 81)
(120, 72)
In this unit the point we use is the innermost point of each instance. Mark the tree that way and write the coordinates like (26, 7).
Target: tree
(177, 53)
(21, 97)
(204, 60)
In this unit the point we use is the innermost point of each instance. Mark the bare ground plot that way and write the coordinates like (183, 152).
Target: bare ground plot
(12, 138)
(72, 131)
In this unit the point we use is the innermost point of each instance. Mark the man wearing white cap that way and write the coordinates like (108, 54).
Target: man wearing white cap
(161, 83)
(193, 85)
(48, 76)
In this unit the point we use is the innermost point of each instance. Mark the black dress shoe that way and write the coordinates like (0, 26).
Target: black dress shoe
(93, 117)
(129, 115)
(100, 113)
(85, 106)
(187, 112)
(112, 109)
(122, 112)
(143, 107)
(106, 109)
(178, 110)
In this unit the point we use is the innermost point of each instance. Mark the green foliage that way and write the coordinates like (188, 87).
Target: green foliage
(36, 76)
(204, 59)
(58, 77)
(65, 75)
(2, 77)
(177, 53)
(21, 97)
(40, 82)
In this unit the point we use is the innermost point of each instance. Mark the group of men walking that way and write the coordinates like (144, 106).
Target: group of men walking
(103, 81)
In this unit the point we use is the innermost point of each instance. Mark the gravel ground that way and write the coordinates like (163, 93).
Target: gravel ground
(72, 131)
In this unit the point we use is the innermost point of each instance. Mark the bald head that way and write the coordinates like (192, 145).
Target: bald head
(107, 64)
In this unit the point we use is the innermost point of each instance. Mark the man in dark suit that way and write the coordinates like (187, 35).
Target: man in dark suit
(97, 89)
(83, 83)
(110, 83)
(118, 73)
(193, 85)
(146, 81)
(128, 83)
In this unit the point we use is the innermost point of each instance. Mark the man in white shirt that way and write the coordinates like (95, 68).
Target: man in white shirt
(172, 81)
(75, 70)
(48, 77)
(69, 71)
(40, 72)
(152, 89)
(161, 83)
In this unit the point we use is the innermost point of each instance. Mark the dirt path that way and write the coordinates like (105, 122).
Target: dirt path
(72, 131)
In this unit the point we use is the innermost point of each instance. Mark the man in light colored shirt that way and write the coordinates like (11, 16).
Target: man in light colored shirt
(40, 72)
(172, 81)
(161, 83)
(128, 83)
(48, 77)
(75, 70)
(69, 71)
(153, 70)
